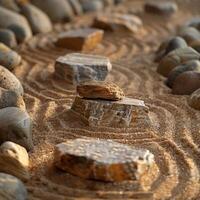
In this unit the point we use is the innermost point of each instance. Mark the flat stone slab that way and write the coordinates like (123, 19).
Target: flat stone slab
(76, 68)
(117, 21)
(83, 39)
(105, 113)
(103, 160)
(100, 90)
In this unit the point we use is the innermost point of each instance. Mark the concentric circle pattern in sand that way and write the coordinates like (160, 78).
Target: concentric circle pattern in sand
(174, 138)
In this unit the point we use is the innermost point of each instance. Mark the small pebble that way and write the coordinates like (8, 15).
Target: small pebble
(14, 160)
(161, 8)
(194, 100)
(16, 126)
(9, 98)
(12, 188)
(10, 4)
(10, 82)
(91, 6)
(58, 11)
(9, 58)
(176, 58)
(76, 6)
(8, 38)
(189, 34)
(117, 22)
(15, 22)
(186, 83)
(38, 20)
(100, 90)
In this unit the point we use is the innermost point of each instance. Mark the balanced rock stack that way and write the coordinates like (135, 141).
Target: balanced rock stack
(104, 104)
(103, 160)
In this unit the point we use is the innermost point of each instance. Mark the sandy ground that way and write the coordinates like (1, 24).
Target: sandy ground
(174, 138)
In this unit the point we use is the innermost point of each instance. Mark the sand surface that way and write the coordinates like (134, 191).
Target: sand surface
(174, 138)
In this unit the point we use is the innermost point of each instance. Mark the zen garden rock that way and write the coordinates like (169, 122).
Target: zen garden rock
(10, 82)
(12, 188)
(105, 113)
(8, 38)
(161, 8)
(9, 98)
(117, 22)
(175, 58)
(84, 39)
(103, 160)
(9, 58)
(100, 90)
(14, 160)
(76, 68)
(16, 126)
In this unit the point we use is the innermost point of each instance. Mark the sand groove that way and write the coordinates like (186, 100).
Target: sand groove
(173, 138)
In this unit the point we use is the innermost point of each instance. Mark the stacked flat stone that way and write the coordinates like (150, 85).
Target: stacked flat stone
(103, 104)
(103, 160)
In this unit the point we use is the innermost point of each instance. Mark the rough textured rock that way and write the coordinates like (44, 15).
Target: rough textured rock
(103, 160)
(105, 113)
(8, 38)
(76, 6)
(175, 58)
(193, 65)
(117, 22)
(162, 8)
(38, 20)
(12, 188)
(16, 126)
(83, 39)
(58, 11)
(91, 6)
(15, 22)
(100, 90)
(14, 160)
(9, 58)
(169, 45)
(186, 83)
(190, 34)
(194, 100)
(76, 68)
(10, 4)
(10, 98)
(9, 81)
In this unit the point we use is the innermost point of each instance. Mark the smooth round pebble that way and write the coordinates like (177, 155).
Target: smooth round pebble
(193, 65)
(8, 38)
(11, 188)
(194, 100)
(38, 20)
(9, 81)
(58, 11)
(10, 4)
(91, 6)
(16, 126)
(15, 22)
(9, 58)
(186, 83)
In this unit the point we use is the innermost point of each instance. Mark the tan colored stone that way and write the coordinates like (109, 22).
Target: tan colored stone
(175, 58)
(14, 160)
(76, 68)
(10, 98)
(100, 90)
(105, 113)
(194, 100)
(84, 39)
(103, 160)
(116, 22)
